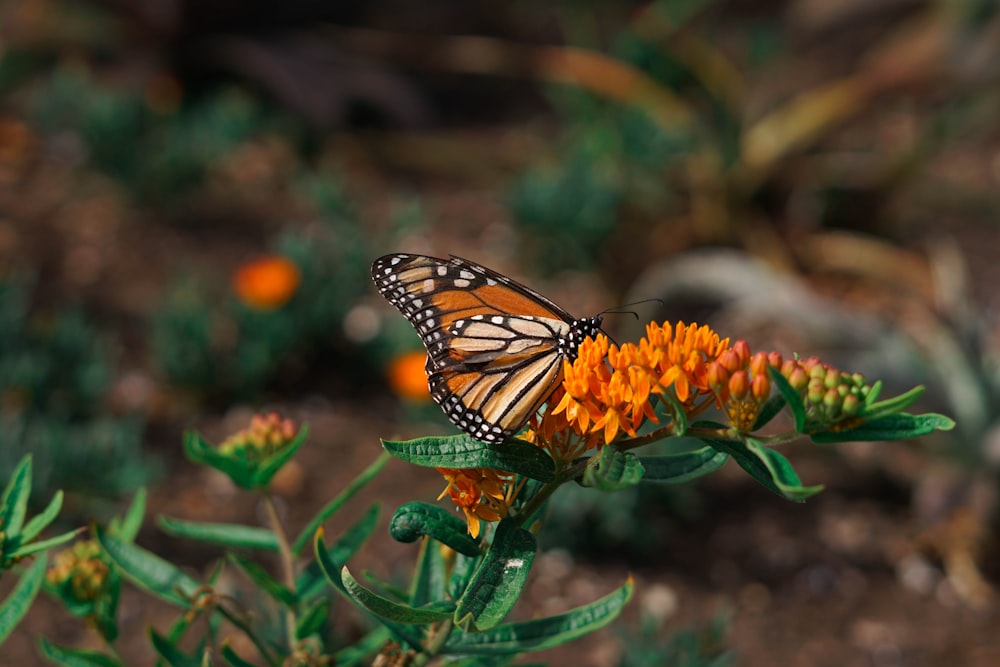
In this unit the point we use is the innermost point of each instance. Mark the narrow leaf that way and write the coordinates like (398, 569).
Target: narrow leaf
(681, 468)
(75, 657)
(339, 553)
(338, 501)
(230, 656)
(769, 411)
(387, 609)
(224, 534)
(13, 609)
(791, 396)
(263, 475)
(768, 467)
(544, 633)
(38, 522)
(430, 581)
(416, 519)
(613, 470)
(127, 528)
(362, 650)
(258, 575)
(464, 451)
(171, 653)
(892, 405)
(499, 579)
(149, 571)
(42, 545)
(892, 427)
(313, 619)
(14, 503)
(461, 574)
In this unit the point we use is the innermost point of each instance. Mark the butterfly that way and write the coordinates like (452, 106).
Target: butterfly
(495, 348)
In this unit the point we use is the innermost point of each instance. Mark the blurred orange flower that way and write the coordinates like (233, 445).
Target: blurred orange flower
(407, 376)
(267, 283)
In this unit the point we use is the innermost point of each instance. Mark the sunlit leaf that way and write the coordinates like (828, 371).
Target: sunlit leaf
(498, 581)
(464, 451)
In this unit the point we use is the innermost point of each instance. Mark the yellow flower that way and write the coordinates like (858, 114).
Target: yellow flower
(481, 494)
(267, 283)
(81, 570)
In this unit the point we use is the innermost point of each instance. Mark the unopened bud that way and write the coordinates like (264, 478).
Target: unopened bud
(760, 387)
(739, 384)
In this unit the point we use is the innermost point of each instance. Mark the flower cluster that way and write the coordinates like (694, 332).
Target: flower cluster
(481, 494)
(609, 390)
(265, 435)
(80, 570)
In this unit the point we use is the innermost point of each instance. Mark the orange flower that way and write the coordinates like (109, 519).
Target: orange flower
(479, 492)
(408, 377)
(608, 389)
(267, 283)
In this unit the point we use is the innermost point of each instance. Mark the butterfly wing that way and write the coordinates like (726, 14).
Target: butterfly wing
(493, 345)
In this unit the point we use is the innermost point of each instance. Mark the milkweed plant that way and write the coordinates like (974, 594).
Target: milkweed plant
(471, 565)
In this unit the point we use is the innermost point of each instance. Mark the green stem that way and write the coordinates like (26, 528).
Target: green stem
(436, 642)
(287, 562)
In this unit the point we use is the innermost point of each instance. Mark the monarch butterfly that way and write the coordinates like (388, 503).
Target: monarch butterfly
(494, 347)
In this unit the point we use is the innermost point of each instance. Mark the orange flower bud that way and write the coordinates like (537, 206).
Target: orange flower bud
(267, 283)
(717, 375)
(739, 384)
(759, 364)
(798, 378)
(742, 350)
(760, 387)
(775, 360)
(407, 376)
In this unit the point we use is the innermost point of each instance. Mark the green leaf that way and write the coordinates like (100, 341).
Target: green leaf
(768, 467)
(499, 579)
(269, 468)
(313, 619)
(339, 553)
(42, 545)
(14, 503)
(395, 612)
(892, 405)
(464, 451)
(677, 413)
(348, 492)
(681, 468)
(416, 519)
(613, 470)
(230, 656)
(39, 522)
(544, 633)
(769, 411)
(13, 609)
(127, 528)
(461, 574)
(263, 579)
(362, 650)
(171, 653)
(75, 657)
(149, 571)
(403, 633)
(225, 534)
(791, 396)
(892, 427)
(430, 579)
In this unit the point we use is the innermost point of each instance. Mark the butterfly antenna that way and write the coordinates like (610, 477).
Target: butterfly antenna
(616, 310)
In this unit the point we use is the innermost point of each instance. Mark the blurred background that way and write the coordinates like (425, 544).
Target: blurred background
(191, 195)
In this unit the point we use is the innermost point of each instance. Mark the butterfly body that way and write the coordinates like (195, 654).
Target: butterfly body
(494, 347)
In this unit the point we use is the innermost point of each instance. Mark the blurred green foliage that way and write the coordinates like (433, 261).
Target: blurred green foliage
(55, 372)
(158, 155)
(651, 646)
(210, 341)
